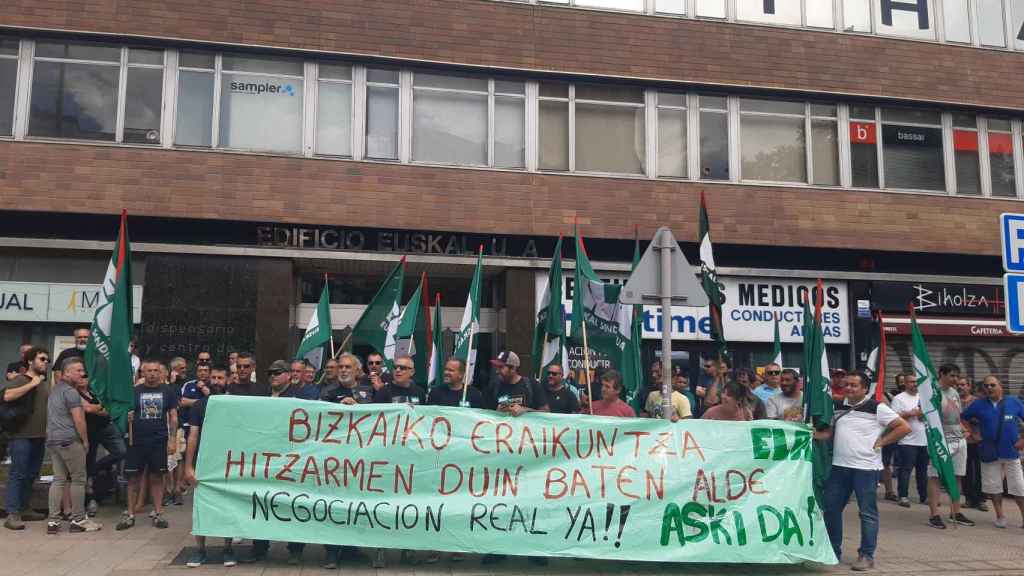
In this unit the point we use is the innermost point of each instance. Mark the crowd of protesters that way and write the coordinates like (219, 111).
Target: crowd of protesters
(52, 409)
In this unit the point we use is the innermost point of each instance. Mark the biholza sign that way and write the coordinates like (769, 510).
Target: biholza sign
(461, 480)
(751, 306)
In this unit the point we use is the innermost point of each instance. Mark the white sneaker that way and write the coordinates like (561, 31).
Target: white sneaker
(1000, 522)
(85, 525)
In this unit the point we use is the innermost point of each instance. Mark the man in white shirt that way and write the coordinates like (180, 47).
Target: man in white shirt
(791, 397)
(859, 430)
(912, 452)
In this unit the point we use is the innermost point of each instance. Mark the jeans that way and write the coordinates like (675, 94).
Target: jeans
(68, 460)
(112, 440)
(26, 460)
(863, 484)
(912, 459)
(972, 481)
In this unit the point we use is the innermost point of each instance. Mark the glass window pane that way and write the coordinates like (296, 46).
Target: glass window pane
(143, 56)
(856, 16)
(261, 113)
(711, 8)
(913, 157)
(998, 124)
(381, 122)
(382, 76)
(237, 63)
(8, 77)
(335, 71)
(990, 23)
(1018, 24)
(968, 170)
(864, 154)
(911, 115)
(713, 102)
(609, 93)
(509, 132)
(609, 138)
(909, 19)
(553, 133)
(820, 14)
(714, 145)
(778, 12)
(8, 47)
(194, 124)
(203, 60)
(825, 152)
(957, 20)
(637, 5)
(78, 51)
(669, 99)
(143, 101)
(961, 120)
(775, 106)
(672, 142)
(773, 149)
(825, 110)
(425, 80)
(449, 127)
(334, 119)
(1000, 154)
(862, 112)
(509, 87)
(670, 6)
(554, 90)
(74, 101)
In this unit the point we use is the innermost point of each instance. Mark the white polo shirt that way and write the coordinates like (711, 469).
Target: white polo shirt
(854, 432)
(904, 402)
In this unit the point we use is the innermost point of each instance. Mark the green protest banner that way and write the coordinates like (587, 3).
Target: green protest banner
(462, 480)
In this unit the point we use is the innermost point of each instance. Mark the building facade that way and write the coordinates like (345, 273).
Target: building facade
(259, 145)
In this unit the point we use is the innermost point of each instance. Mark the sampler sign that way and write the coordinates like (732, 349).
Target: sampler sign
(462, 480)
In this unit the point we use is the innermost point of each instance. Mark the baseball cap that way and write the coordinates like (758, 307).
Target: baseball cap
(507, 358)
(278, 367)
(838, 372)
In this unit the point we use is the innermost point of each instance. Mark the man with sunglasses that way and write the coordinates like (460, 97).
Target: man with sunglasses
(561, 400)
(376, 376)
(246, 384)
(27, 438)
(996, 418)
(772, 382)
(402, 389)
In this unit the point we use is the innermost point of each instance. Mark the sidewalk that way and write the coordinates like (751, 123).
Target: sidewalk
(907, 546)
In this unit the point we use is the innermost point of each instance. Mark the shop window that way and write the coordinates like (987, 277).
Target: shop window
(773, 140)
(261, 104)
(194, 121)
(382, 114)
(75, 99)
(957, 20)
(714, 138)
(991, 28)
(672, 135)
(1000, 154)
(711, 8)
(8, 82)
(144, 92)
(553, 129)
(965, 150)
(912, 153)
(609, 129)
(334, 110)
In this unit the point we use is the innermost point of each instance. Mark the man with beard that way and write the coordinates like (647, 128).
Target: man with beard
(349, 390)
(777, 405)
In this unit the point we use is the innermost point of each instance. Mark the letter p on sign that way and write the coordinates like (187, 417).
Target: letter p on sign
(1012, 234)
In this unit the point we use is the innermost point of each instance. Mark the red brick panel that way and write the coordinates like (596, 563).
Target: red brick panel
(487, 33)
(216, 185)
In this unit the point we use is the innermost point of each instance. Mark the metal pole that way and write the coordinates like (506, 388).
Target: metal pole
(666, 249)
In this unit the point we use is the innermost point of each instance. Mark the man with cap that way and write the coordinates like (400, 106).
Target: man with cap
(515, 394)
(838, 388)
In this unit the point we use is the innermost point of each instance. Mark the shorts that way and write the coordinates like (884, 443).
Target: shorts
(992, 477)
(958, 453)
(888, 452)
(151, 457)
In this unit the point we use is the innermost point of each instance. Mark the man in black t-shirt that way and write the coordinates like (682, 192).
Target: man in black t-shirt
(348, 389)
(561, 399)
(78, 350)
(451, 393)
(515, 393)
(152, 437)
(402, 389)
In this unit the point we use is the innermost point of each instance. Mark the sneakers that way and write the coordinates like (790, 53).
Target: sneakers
(85, 525)
(905, 502)
(892, 497)
(92, 508)
(14, 522)
(229, 557)
(197, 559)
(1000, 522)
(863, 564)
(159, 521)
(178, 499)
(960, 519)
(53, 527)
(127, 521)
(936, 522)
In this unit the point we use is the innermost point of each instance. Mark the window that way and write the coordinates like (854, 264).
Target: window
(509, 124)
(194, 119)
(856, 16)
(553, 128)
(144, 93)
(773, 140)
(382, 114)
(1000, 154)
(1018, 24)
(672, 135)
(711, 8)
(965, 150)
(991, 31)
(449, 119)
(261, 104)
(864, 146)
(820, 14)
(609, 129)
(957, 20)
(670, 6)
(912, 153)
(75, 91)
(334, 110)
(824, 145)
(636, 5)
(769, 12)
(714, 138)
(8, 82)
(909, 19)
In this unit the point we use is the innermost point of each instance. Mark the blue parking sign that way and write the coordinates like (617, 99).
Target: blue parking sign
(1014, 286)
(1012, 235)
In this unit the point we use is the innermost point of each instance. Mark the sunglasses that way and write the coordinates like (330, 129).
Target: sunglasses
(240, 365)
(275, 372)
(773, 372)
(553, 373)
(400, 367)
(374, 362)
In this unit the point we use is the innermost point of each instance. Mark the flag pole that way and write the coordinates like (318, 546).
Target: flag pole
(333, 354)
(469, 352)
(586, 367)
(880, 373)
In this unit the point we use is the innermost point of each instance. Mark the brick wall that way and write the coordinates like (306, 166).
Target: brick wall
(194, 184)
(486, 33)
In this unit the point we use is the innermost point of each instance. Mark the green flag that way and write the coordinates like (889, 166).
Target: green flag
(466, 341)
(411, 335)
(437, 360)
(631, 356)
(931, 405)
(318, 331)
(817, 388)
(377, 326)
(107, 359)
(549, 331)
(709, 280)
(777, 350)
